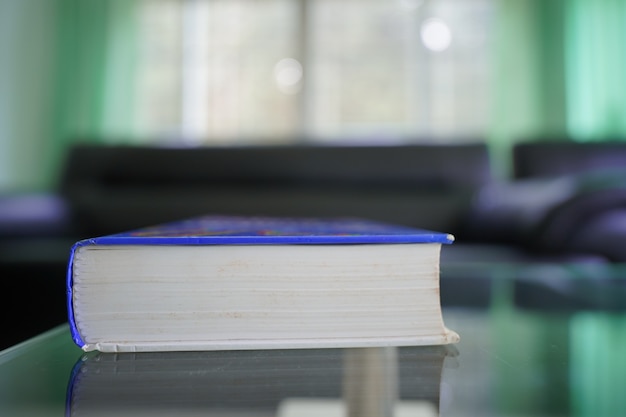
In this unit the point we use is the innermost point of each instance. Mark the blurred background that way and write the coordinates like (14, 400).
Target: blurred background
(239, 72)
(500, 121)
(495, 120)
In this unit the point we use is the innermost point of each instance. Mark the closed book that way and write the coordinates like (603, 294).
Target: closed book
(223, 283)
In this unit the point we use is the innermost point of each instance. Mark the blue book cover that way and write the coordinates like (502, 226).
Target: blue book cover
(234, 230)
(223, 230)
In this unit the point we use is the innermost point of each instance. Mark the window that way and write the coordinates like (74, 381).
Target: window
(273, 71)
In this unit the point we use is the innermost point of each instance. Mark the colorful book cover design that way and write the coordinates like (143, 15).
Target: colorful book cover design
(266, 230)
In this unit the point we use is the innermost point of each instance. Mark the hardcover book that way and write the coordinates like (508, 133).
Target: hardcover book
(223, 283)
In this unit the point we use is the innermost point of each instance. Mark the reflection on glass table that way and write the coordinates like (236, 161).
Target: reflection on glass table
(329, 382)
(517, 357)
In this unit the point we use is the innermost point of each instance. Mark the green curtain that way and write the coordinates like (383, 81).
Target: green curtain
(558, 71)
(596, 69)
(528, 82)
(26, 81)
(97, 43)
(66, 75)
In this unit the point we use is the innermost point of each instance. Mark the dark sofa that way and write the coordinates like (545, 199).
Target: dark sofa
(116, 188)
(564, 198)
(108, 189)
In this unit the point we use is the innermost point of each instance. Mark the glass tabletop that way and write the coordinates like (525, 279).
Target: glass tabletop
(540, 347)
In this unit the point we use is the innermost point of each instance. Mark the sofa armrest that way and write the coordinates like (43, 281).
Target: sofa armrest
(33, 214)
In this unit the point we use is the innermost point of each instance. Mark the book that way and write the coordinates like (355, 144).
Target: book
(363, 381)
(227, 282)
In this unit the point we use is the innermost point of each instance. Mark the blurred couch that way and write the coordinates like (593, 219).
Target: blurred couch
(561, 204)
(563, 198)
(111, 189)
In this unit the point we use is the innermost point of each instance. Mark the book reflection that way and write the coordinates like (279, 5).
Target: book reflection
(364, 382)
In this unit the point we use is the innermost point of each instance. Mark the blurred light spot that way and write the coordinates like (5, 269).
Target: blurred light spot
(436, 35)
(288, 74)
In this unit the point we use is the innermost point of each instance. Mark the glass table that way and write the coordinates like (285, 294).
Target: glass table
(550, 341)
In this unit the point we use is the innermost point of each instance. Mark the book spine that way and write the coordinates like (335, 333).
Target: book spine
(76, 337)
